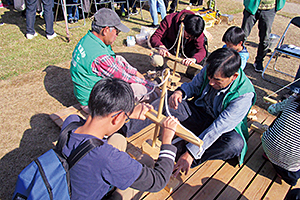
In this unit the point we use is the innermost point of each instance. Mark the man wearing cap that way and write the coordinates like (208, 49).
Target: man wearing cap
(94, 59)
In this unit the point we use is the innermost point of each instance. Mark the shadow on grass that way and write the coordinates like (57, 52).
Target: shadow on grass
(35, 141)
(139, 61)
(58, 84)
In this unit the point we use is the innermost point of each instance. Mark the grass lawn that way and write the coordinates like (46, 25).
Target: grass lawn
(19, 55)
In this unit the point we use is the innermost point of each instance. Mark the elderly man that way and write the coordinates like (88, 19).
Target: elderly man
(94, 59)
(217, 114)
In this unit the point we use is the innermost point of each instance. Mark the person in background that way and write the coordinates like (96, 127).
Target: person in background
(282, 139)
(234, 38)
(72, 11)
(264, 12)
(153, 11)
(133, 11)
(192, 49)
(31, 6)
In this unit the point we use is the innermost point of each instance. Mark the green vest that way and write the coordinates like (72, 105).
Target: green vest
(239, 87)
(86, 51)
(252, 5)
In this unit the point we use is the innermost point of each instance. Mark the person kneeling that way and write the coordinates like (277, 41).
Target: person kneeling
(111, 103)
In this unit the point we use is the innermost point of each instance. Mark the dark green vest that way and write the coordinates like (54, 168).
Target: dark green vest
(240, 86)
(86, 51)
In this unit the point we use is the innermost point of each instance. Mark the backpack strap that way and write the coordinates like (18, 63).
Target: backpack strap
(82, 150)
(64, 135)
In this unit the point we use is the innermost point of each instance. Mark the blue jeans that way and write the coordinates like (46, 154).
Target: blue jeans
(153, 10)
(265, 20)
(227, 146)
(31, 13)
(72, 9)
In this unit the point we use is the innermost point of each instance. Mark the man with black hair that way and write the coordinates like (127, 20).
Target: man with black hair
(111, 103)
(234, 38)
(94, 59)
(166, 36)
(217, 114)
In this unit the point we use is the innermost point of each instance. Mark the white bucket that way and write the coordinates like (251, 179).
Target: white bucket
(273, 41)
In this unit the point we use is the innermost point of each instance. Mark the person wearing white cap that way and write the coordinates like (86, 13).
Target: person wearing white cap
(94, 59)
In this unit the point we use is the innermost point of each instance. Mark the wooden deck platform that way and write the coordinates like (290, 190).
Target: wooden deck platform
(255, 179)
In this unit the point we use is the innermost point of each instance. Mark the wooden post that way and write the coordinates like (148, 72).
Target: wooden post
(178, 46)
(160, 108)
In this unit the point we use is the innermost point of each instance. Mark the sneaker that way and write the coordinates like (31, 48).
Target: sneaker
(30, 36)
(50, 37)
(1, 24)
(258, 66)
(134, 11)
(70, 21)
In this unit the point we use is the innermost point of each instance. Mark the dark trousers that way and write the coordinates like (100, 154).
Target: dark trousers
(265, 20)
(31, 13)
(289, 177)
(227, 146)
(172, 5)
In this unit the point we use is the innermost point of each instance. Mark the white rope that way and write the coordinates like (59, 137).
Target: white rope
(284, 87)
(167, 107)
(155, 86)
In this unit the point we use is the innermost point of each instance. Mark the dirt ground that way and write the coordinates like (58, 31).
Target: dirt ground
(27, 100)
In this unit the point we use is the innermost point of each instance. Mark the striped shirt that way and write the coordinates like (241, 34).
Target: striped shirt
(281, 142)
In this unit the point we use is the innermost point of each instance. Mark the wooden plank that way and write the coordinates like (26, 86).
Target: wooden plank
(200, 178)
(60, 116)
(134, 147)
(244, 176)
(261, 183)
(65, 111)
(191, 186)
(225, 174)
(180, 130)
(142, 132)
(206, 169)
(278, 190)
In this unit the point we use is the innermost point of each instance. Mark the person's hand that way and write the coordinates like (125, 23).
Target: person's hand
(183, 164)
(188, 61)
(163, 51)
(138, 74)
(140, 111)
(175, 98)
(169, 129)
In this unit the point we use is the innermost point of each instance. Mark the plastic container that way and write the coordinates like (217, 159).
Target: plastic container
(141, 38)
(273, 41)
(130, 41)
